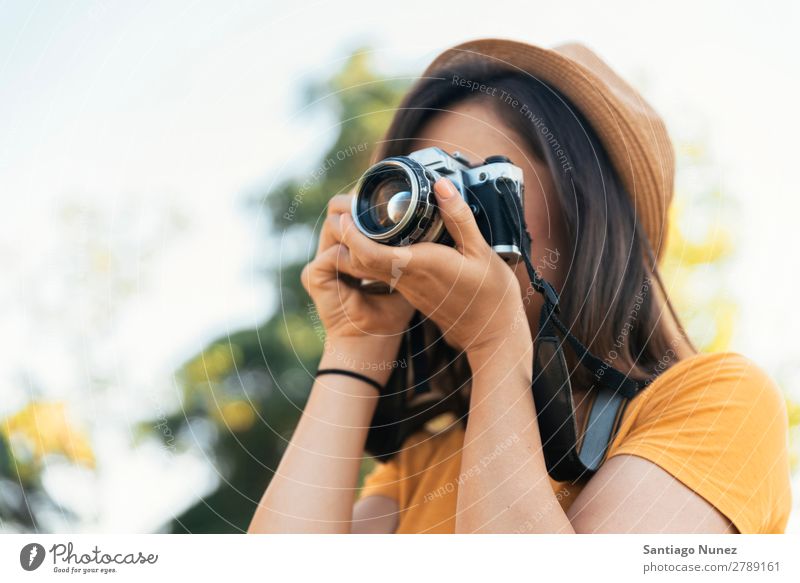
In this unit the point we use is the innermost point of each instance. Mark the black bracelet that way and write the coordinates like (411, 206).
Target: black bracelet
(355, 375)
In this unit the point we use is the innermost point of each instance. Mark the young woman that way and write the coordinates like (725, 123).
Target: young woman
(701, 449)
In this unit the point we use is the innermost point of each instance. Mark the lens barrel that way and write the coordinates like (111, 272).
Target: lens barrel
(393, 203)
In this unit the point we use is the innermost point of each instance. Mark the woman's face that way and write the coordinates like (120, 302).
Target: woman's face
(477, 132)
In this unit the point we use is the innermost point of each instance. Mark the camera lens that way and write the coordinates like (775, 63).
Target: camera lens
(384, 200)
(393, 203)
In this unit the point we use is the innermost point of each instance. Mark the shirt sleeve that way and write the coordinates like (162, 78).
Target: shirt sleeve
(383, 480)
(720, 427)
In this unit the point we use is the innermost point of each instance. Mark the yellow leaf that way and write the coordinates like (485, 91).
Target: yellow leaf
(46, 429)
(237, 415)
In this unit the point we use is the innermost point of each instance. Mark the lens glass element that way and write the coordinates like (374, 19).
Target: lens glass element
(384, 199)
(390, 202)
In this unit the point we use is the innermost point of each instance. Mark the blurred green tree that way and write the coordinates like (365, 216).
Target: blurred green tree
(243, 394)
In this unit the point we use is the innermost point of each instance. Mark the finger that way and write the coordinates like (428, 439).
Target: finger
(335, 263)
(340, 203)
(331, 232)
(321, 269)
(330, 264)
(345, 265)
(458, 217)
(365, 254)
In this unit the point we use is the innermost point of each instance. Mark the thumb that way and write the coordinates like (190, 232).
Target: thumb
(458, 217)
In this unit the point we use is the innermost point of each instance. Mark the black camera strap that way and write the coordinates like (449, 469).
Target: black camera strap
(417, 355)
(569, 455)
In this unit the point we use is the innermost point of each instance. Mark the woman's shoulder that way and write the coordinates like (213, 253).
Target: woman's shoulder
(717, 381)
(718, 423)
(717, 396)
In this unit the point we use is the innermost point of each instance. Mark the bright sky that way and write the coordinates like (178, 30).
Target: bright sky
(141, 111)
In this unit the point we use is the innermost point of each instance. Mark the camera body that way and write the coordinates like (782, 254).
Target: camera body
(395, 204)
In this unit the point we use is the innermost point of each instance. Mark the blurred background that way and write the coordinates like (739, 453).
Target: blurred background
(163, 167)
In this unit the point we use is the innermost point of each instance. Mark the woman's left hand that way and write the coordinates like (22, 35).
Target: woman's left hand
(467, 290)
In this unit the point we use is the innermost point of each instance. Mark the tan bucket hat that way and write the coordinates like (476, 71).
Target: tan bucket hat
(632, 133)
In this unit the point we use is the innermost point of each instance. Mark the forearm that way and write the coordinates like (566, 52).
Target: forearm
(506, 486)
(314, 485)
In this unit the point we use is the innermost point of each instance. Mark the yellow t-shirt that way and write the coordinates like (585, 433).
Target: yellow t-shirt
(715, 422)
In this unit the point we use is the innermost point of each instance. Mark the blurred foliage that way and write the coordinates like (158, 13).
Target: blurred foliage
(698, 252)
(697, 255)
(77, 285)
(29, 439)
(253, 384)
(41, 429)
(794, 424)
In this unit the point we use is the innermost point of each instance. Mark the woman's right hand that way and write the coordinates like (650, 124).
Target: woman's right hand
(365, 323)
